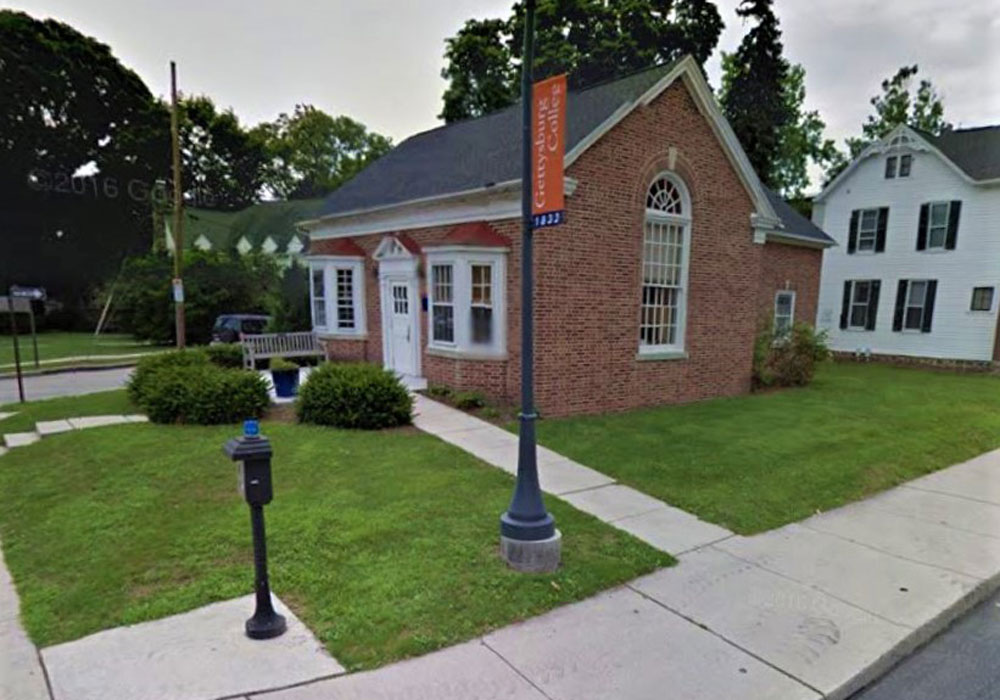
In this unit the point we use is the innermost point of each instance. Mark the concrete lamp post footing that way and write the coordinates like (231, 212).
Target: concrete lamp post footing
(532, 556)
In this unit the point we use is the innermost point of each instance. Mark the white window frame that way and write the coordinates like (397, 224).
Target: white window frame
(866, 304)
(943, 227)
(433, 302)
(682, 220)
(866, 233)
(791, 315)
(908, 305)
(461, 259)
(330, 265)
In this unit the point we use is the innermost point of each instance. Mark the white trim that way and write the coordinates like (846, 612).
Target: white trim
(329, 264)
(462, 262)
(785, 238)
(493, 203)
(791, 315)
(683, 221)
(400, 270)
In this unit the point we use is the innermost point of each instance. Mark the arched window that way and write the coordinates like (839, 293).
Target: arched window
(665, 244)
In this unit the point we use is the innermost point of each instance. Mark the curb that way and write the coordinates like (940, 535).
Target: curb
(67, 370)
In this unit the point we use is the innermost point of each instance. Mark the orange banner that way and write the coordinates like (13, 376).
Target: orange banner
(548, 126)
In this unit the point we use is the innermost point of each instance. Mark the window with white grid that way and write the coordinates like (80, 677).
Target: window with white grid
(443, 303)
(664, 267)
(345, 298)
(318, 297)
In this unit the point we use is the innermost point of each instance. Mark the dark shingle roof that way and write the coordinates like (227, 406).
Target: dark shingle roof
(256, 222)
(470, 154)
(795, 223)
(976, 151)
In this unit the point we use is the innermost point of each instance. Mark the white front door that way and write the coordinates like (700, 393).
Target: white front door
(401, 336)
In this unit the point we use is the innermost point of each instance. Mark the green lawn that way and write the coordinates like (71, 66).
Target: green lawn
(755, 462)
(384, 543)
(98, 404)
(59, 344)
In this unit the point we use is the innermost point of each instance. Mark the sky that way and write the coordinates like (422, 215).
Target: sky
(379, 61)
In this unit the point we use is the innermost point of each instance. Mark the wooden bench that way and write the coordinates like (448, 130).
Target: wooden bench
(265, 346)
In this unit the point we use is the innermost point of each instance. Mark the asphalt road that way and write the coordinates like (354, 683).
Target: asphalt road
(962, 663)
(46, 386)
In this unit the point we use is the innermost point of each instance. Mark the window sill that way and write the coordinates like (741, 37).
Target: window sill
(856, 330)
(456, 354)
(661, 355)
(333, 335)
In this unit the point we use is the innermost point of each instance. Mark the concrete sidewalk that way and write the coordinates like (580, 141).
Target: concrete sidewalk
(662, 526)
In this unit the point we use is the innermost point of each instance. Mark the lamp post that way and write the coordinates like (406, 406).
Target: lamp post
(529, 540)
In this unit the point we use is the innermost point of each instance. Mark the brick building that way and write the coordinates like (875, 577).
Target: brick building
(651, 293)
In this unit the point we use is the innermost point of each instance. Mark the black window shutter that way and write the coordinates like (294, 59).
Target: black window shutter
(897, 319)
(922, 227)
(852, 237)
(883, 224)
(954, 211)
(846, 306)
(872, 304)
(929, 306)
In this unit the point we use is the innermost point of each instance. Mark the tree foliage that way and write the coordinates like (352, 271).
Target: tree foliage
(65, 103)
(800, 141)
(223, 164)
(896, 104)
(754, 97)
(214, 283)
(311, 153)
(591, 40)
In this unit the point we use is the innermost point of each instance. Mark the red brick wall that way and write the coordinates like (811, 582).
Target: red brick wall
(587, 276)
(795, 268)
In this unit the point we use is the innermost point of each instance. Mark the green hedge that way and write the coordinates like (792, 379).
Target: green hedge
(204, 394)
(226, 355)
(354, 396)
(149, 366)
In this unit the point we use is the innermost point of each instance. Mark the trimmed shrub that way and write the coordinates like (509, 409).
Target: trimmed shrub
(203, 394)
(354, 396)
(789, 359)
(468, 400)
(280, 364)
(439, 391)
(228, 355)
(149, 366)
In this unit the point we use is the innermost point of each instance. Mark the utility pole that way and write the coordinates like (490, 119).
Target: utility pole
(178, 232)
(529, 540)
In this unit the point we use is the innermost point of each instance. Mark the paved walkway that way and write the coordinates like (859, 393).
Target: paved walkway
(663, 526)
(47, 386)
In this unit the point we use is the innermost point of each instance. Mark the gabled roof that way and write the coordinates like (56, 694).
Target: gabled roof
(796, 225)
(474, 153)
(976, 151)
(469, 156)
(256, 223)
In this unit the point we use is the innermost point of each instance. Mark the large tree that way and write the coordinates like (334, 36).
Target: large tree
(67, 104)
(897, 104)
(312, 153)
(592, 40)
(223, 164)
(754, 84)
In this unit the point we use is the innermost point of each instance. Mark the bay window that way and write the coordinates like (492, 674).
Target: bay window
(466, 295)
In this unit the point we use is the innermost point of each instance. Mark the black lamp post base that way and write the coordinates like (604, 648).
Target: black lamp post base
(266, 626)
(532, 556)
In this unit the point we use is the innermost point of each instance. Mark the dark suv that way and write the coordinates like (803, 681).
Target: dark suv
(228, 327)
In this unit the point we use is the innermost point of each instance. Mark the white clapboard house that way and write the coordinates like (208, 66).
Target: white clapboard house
(917, 221)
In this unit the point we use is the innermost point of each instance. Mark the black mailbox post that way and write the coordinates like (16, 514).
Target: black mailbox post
(253, 452)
